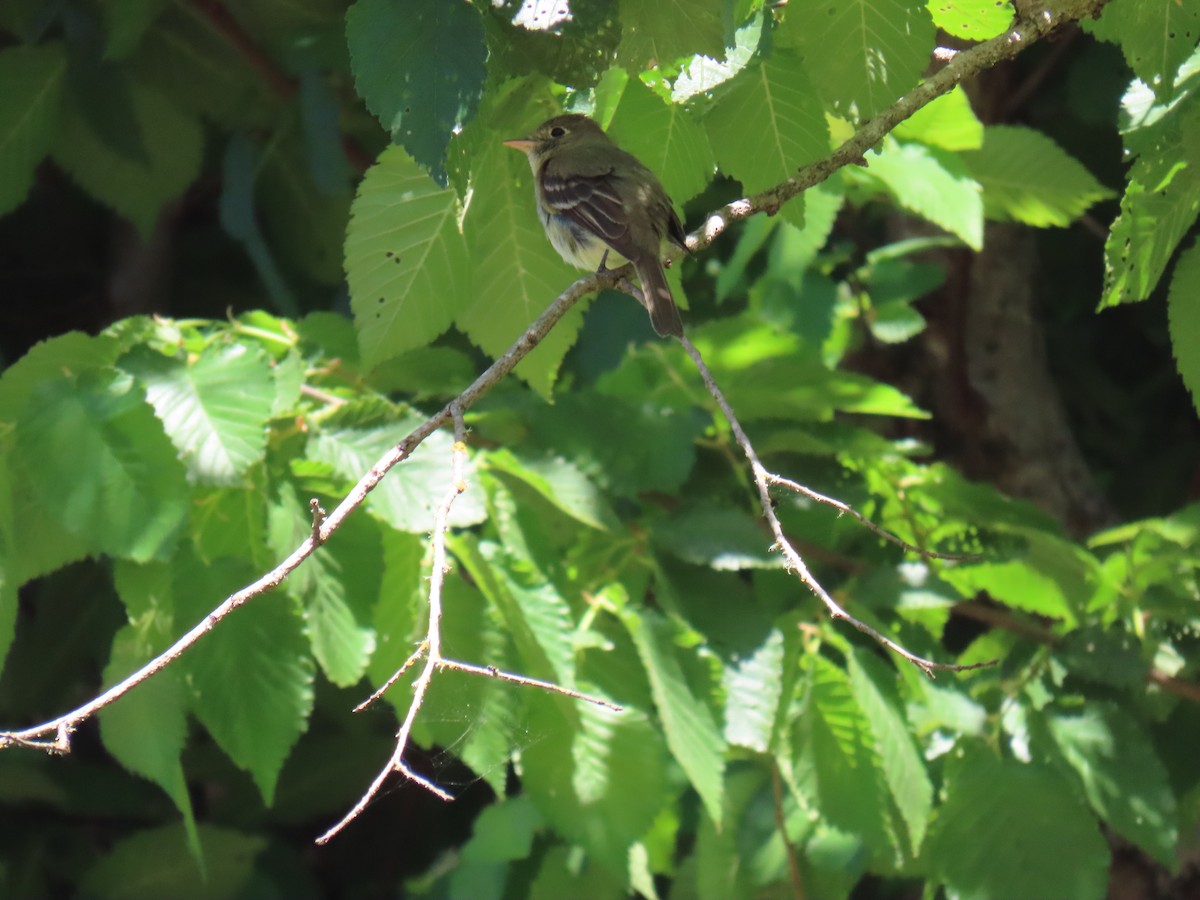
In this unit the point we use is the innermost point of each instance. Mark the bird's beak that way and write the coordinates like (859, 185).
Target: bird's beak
(524, 144)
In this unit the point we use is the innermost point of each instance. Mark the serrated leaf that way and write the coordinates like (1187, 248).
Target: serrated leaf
(626, 445)
(135, 188)
(516, 270)
(337, 587)
(933, 184)
(29, 113)
(561, 483)
(539, 625)
(659, 34)
(1123, 777)
(972, 20)
(768, 123)
(692, 736)
(1155, 37)
(903, 769)
(147, 729)
(1028, 178)
(1009, 829)
(850, 781)
(503, 831)
(1160, 204)
(128, 495)
(251, 680)
(753, 687)
(1183, 313)
(214, 407)
(722, 539)
(765, 376)
(620, 777)
(406, 262)
(419, 65)
(863, 54)
(666, 138)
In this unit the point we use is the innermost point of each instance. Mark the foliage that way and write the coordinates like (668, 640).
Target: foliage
(609, 539)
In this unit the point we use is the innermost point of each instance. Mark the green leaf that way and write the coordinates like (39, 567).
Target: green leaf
(1051, 578)
(703, 73)
(863, 54)
(503, 831)
(251, 679)
(1009, 829)
(947, 122)
(693, 738)
(753, 688)
(516, 271)
(407, 497)
(214, 407)
(768, 123)
(972, 20)
(419, 64)
(850, 780)
(29, 113)
(931, 183)
(127, 494)
(1028, 178)
(721, 539)
(532, 610)
(903, 769)
(406, 262)
(42, 541)
(147, 729)
(1183, 312)
(1123, 777)
(1156, 38)
(765, 375)
(148, 865)
(1160, 204)
(135, 188)
(337, 586)
(659, 34)
(666, 138)
(625, 445)
(561, 483)
(621, 779)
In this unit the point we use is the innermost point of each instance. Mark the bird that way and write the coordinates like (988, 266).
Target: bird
(594, 198)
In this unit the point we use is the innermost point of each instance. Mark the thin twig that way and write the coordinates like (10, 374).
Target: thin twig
(846, 508)
(792, 560)
(431, 647)
(493, 672)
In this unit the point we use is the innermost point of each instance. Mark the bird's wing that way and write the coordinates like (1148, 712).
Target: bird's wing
(591, 200)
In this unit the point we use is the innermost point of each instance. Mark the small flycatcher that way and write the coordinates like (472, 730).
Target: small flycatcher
(594, 198)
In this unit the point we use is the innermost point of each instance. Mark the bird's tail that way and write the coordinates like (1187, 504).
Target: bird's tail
(664, 315)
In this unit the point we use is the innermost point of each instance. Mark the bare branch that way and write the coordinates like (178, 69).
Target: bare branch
(431, 647)
(792, 559)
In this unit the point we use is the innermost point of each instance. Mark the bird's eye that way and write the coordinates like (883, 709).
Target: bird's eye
(557, 131)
